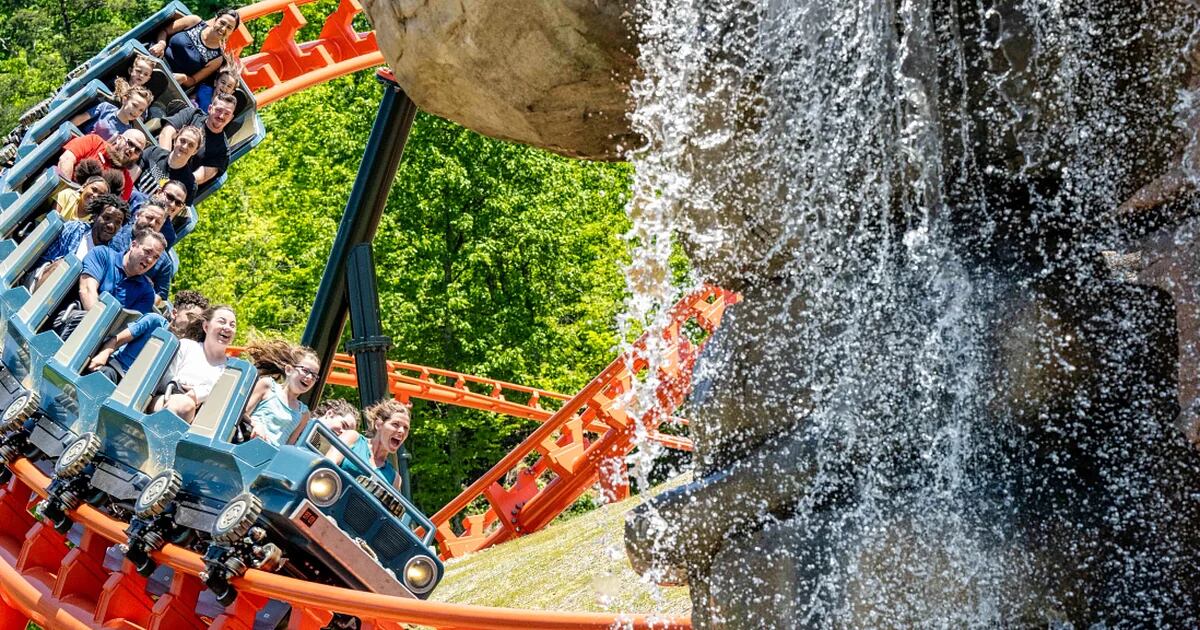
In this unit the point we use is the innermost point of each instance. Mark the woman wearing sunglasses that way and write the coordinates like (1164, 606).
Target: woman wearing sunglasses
(286, 372)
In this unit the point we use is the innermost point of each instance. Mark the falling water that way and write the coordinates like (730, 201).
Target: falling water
(905, 191)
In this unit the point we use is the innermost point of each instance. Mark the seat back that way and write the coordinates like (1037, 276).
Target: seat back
(14, 265)
(105, 318)
(87, 97)
(37, 159)
(147, 29)
(26, 205)
(217, 418)
(144, 376)
(57, 284)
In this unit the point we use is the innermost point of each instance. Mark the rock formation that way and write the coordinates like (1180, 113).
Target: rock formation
(550, 74)
(937, 405)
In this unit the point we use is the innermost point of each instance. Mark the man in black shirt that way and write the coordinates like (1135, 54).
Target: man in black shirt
(160, 166)
(214, 158)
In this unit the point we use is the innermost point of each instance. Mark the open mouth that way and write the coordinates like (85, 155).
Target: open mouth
(225, 337)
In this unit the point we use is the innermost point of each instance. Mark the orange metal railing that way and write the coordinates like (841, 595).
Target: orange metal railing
(283, 66)
(567, 454)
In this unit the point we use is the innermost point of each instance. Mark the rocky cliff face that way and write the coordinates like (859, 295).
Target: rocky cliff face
(550, 74)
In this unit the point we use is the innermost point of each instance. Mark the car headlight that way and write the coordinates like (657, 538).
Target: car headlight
(419, 574)
(324, 487)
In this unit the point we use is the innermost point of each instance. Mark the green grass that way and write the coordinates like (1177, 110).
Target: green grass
(574, 565)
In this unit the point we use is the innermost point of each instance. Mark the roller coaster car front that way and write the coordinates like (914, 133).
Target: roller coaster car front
(357, 533)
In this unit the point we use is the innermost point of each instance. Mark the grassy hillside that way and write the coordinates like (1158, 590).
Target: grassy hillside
(575, 565)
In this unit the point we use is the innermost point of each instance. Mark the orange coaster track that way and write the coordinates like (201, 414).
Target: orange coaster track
(582, 442)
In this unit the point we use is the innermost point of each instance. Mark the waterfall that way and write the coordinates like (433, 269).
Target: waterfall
(892, 184)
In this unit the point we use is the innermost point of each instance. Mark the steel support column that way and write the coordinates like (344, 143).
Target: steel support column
(364, 210)
(367, 342)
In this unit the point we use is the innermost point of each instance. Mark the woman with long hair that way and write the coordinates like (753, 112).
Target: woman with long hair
(195, 50)
(200, 360)
(286, 372)
(387, 429)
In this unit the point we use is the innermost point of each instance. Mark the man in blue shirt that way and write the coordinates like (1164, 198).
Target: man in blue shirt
(122, 275)
(150, 216)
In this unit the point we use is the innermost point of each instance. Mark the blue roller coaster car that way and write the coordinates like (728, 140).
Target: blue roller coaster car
(295, 512)
(106, 464)
(68, 401)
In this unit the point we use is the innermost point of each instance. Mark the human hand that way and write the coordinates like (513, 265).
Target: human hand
(99, 360)
(158, 48)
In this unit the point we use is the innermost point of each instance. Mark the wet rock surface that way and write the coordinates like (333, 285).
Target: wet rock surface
(937, 404)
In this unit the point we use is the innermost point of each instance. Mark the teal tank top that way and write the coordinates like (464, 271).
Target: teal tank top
(272, 419)
(362, 448)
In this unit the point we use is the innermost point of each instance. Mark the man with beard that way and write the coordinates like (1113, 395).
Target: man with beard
(214, 158)
(120, 153)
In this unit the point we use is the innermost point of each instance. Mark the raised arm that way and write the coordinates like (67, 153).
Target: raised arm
(160, 45)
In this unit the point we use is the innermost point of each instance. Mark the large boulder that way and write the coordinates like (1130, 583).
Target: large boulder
(550, 74)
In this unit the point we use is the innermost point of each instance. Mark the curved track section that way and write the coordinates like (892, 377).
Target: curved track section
(61, 587)
(283, 66)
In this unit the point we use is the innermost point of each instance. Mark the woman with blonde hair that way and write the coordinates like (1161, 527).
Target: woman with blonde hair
(286, 371)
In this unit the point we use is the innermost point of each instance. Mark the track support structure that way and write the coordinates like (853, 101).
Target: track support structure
(385, 148)
(368, 344)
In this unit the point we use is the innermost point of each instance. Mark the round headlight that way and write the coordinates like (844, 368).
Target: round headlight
(419, 574)
(324, 487)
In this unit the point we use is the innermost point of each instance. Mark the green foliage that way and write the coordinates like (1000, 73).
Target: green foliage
(494, 258)
(41, 40)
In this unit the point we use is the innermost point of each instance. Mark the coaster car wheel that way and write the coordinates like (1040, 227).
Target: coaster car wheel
(36, 113)
(236, 519)
(77, 455)
(19, 410)
(158, 494)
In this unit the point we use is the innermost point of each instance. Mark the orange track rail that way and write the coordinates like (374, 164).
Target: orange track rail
(61, 587)
(282, 66)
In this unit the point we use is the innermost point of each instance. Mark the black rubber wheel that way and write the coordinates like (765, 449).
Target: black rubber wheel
(9, 453)
(140, 559)
(236, 519)
(77, 455)
(8, 155)
(226, 596)
(58, 519)
(157, 496)
(35, 113)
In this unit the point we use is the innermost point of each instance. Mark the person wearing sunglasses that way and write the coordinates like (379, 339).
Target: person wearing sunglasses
(286, 372)
(122, 153)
